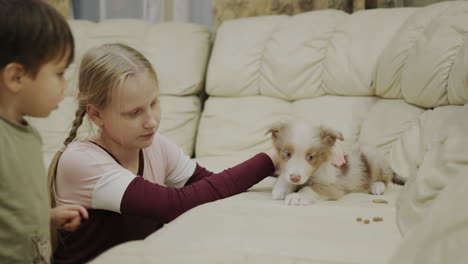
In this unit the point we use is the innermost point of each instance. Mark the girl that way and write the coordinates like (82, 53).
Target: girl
(132, 179)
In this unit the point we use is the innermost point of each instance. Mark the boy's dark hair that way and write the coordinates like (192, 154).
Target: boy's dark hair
(33, 33)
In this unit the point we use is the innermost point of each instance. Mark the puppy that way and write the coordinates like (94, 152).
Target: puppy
(306, 151)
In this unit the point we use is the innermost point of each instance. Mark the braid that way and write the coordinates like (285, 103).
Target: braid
(80, 113)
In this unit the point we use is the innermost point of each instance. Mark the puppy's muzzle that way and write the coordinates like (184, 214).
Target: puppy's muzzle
(295, 177)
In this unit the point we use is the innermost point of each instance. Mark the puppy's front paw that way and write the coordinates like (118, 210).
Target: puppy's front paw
(281, 189)
(298, 199)
(279, 193)
(377, 188)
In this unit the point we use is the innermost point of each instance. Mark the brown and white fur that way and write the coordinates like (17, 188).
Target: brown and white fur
(305, 165)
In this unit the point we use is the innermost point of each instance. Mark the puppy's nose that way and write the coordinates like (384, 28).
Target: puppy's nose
(295, 177)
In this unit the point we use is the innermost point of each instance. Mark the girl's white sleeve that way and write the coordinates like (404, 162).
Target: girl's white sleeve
(87, 175)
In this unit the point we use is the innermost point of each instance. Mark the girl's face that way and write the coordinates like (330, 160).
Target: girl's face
(133, 115)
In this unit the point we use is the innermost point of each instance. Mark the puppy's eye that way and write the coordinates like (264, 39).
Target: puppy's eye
(286, 154)
(310, 157)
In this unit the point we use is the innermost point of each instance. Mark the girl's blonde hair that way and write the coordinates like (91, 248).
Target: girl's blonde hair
(102, 69)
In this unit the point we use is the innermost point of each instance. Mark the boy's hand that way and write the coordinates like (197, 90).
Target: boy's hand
(339, 157)
(67, 217)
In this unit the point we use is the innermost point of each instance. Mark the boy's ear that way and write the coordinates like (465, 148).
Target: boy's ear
(12, 77)
(94, 113)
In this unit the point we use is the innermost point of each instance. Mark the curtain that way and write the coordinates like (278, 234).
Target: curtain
(395, 3)
(211, 13)
(63, 6)
(232, 9)
(154, 11)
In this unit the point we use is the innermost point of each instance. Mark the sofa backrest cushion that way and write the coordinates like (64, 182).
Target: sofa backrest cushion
(425, 62)
(178, 52)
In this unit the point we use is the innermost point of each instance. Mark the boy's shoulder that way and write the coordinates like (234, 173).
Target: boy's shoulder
(35, 132)
(9, 129)
(3, 127)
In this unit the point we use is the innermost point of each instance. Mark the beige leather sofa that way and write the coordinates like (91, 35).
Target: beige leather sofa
(396, 79)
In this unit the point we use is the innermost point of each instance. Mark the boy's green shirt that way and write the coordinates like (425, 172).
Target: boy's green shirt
(24, 198)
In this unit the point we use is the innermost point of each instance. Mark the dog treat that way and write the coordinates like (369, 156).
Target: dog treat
(367, 221)
(379, 201)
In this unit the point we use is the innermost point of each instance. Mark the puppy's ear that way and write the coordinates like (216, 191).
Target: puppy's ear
(276, 129)
(329, 136)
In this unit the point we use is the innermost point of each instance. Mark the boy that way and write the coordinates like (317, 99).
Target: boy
(36, 46)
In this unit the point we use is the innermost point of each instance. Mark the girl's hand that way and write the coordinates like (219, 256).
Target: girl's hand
(67, 217)
(339, 157)
(274, 156)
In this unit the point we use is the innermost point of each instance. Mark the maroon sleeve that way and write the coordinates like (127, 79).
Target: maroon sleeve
(198, 174)
(163, 203)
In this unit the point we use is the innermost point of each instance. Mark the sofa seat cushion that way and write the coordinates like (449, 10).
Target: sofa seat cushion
(253, 228)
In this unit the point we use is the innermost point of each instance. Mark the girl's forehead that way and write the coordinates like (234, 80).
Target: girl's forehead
(136, 90)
